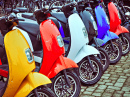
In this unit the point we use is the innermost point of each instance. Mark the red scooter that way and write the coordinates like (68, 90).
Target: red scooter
(115, 26)
(52, 62)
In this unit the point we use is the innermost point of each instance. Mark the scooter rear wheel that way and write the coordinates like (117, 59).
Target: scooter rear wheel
(105, 58)
(60, 87)
(114, 56)
(125, 44)
(85, 73)
(43, 92)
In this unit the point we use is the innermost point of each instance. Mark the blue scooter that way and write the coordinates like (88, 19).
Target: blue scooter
(113, 48)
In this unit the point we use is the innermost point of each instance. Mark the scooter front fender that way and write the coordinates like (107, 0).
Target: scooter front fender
(32, 81)
(109, 36)
(61, 64)
(120, 29)
(85, 51)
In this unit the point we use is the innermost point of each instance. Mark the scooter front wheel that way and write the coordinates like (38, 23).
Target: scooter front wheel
(124, 41)
(86, 74)
(60, 87)
(114, 55)
(104, 58)
(43, 92)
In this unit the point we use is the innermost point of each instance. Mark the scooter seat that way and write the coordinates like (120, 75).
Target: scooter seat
(22, 9)
(30, 27)
(59, 16)
(28, 16)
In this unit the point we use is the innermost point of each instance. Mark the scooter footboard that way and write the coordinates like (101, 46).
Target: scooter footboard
(61, 64)
(86, 51)
(32, 81)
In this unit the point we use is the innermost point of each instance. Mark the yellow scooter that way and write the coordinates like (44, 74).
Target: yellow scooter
(22, 81)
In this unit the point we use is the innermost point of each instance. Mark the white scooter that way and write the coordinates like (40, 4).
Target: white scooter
(77, 48)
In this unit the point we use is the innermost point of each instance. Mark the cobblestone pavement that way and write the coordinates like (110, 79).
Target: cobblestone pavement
(115, 82)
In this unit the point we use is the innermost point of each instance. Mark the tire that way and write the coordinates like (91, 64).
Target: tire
(86, 80)
(62, 86)
(125, 44)
(47, 92)
(105, 59)
(107, 47)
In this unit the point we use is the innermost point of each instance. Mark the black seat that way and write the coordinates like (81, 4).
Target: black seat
(22, 9)
(31, 27)
(28, 16)
(2, 85)
(59, 16)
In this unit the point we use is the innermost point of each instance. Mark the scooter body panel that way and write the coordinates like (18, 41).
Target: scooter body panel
(89, 23)
(102, 23)
(32, 81)
(115, 20)
(51, 48)
(86, 50)
(26, 36)
(0, 62)
(79, 35)
(60, 64)
(120, 29)
(16, 53)
(109, 36)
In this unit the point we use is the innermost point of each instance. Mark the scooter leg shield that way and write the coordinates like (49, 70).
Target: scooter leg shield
(61, 64)
(86, 51)
(32, 81)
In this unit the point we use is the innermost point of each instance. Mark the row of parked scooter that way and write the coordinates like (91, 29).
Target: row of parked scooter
(51, 51)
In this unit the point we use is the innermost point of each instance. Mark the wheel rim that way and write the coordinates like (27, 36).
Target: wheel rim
(104, 59)
(41, 94)
(113, 55)
(125, 45)
(86, 73)
(61, 89)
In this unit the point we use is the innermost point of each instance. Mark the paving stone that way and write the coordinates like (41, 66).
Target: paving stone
(90, 89)
(99, 91)
(118, 84)
(109, 84)
(127, 71)
(105, 77)
(87, 92)
(117, 95)
(107, 95)
(126, 95)
(123, 77)
(101, 83)
(113, 87)
(106, 80)
(126, 89)
(97, 94)
(121, 80)
(109, 90)
(102, 87)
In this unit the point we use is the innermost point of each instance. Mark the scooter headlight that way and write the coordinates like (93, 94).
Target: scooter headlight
(60, 41)
(85, 32)
(29, 55)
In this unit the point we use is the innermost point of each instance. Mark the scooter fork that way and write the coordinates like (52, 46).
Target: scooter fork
(91, 65)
